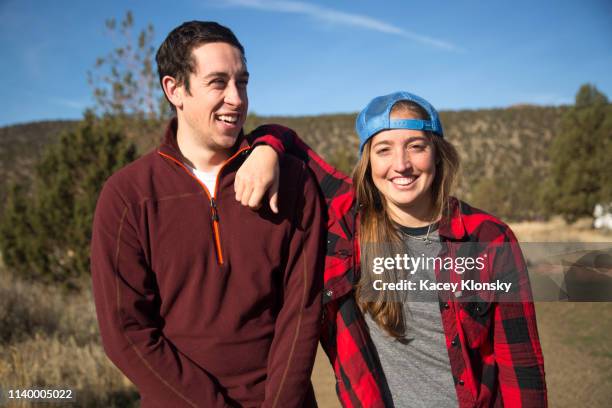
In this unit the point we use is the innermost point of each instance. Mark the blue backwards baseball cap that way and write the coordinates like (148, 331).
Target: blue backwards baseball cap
(376, 117)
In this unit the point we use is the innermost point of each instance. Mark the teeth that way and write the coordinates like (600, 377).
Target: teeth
(228, 118)
(403, 181)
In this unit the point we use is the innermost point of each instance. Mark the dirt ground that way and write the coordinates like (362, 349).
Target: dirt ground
(575, 337)
(324, 382)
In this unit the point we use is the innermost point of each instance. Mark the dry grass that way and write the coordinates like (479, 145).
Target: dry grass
(556, 230)
(56, 363)
(30, 308)
(50, 339)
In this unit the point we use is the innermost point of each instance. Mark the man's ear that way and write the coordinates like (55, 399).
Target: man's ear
(173, 91)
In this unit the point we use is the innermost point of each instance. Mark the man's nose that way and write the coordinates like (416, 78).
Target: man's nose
(235, 95)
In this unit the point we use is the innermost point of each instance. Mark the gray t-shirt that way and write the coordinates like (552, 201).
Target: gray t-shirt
(417, 368)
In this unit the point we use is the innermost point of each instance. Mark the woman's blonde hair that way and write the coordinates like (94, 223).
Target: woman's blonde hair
(378, 234)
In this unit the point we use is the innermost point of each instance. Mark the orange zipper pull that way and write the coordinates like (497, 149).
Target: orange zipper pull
(213, 207)
(214, 215)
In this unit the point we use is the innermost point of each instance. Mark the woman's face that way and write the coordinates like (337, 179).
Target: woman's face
(403, 168)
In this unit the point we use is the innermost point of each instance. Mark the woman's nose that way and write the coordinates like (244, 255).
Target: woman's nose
(401, 161)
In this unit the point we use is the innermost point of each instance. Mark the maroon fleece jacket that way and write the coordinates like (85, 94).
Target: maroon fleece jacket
(201, 301)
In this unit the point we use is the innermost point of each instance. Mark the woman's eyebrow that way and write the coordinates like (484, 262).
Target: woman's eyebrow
(408, 140)
(417, 138)
(382, 142)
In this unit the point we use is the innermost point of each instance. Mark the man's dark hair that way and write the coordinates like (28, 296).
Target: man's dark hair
(174, 57)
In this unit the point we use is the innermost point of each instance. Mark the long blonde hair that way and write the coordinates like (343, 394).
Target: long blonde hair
(378, 233)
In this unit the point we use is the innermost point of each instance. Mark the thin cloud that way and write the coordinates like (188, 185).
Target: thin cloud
(340, 17)
(32, 58)
(69, 103)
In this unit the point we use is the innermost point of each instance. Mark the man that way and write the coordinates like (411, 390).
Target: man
(201, 301)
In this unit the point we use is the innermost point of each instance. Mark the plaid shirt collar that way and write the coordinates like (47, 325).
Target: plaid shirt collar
(452, 226)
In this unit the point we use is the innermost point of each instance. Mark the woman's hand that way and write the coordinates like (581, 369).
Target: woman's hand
(258, 174)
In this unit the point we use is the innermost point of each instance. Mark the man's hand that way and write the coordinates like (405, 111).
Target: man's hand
(258, 174)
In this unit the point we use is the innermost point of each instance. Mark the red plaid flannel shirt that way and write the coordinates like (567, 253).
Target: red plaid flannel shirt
(493, 347)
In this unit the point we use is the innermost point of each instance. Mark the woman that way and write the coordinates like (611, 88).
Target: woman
(399, 348)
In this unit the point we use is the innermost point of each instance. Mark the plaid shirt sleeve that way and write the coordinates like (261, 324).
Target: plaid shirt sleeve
(516, 345)
(499, 361)
(344, 335)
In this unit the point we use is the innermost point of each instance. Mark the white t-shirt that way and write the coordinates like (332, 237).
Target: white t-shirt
(208, 178)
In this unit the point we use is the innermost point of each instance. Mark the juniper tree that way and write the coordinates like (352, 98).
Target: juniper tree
(46, 226)
(581, 156)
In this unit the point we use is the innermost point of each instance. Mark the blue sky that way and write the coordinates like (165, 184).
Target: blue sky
(312, 57)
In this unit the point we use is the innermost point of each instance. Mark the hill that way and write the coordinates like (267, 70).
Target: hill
(504, 151)
(21, 145)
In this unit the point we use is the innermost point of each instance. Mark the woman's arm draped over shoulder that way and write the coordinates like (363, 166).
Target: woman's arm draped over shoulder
(332, 182)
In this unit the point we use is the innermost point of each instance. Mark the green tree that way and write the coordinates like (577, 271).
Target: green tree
(46, 226)
(581, 156)
(588, 95)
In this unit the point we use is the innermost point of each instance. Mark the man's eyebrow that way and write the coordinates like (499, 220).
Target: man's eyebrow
(221, 74)
(216, 74)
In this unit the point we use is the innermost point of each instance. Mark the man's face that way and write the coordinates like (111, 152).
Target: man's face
(215, 108)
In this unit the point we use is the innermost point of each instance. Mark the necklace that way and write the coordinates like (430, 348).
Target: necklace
(426, 239)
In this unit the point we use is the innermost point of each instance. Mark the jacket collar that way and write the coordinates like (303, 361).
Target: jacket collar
(452, 225)
(169, 145)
